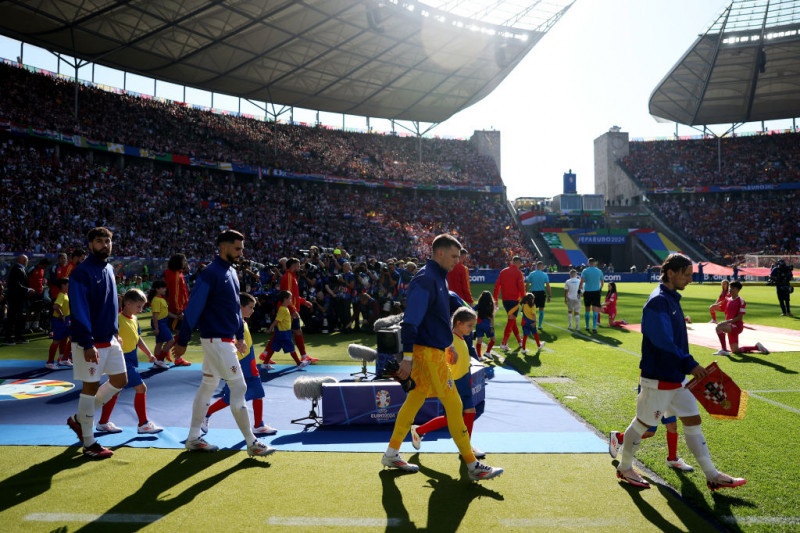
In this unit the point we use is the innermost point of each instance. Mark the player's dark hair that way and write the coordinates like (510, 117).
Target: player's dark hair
(463, 314)
(539, 263)
(592, 260)
(292, 261)
(229, 236)
(516, 258)
(98, 232)
(725, 287)
(245, 298)
(60, 282)
(675, 263)
(612, 288)
(283, 295)
(485, 306)
(736, 285)
(157, 284)
(134, 295)
(78, 252)
(445, 241)
(464, 251)
(176, 262)
(529, 299)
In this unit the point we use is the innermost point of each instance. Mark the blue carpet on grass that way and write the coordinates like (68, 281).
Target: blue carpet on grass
(517, 416)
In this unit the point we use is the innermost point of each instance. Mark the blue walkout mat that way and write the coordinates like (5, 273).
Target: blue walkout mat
(517, 416)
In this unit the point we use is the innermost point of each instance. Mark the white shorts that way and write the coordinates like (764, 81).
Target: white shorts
(110, 361)
(653, 403)
(220, 360)
(573, 305)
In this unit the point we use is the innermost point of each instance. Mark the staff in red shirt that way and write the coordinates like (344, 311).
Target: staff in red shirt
(177, 295)
(458, 279)
(512, 287)
(57, 272)
(289, 283)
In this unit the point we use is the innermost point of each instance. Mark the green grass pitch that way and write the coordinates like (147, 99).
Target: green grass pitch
(54, 489)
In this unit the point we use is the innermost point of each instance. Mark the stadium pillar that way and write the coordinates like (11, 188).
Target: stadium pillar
(21, 58)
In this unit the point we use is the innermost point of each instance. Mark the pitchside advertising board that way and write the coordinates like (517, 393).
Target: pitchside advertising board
(490, 276)
(377, 402)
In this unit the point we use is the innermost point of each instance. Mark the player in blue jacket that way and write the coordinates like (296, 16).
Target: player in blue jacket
(665, 362)
(215, 310)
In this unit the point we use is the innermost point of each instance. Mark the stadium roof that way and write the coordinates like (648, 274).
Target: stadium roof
(745, 68)
(397, 59)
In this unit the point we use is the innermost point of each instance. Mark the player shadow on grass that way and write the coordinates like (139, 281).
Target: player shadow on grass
(723, 501)
(747, 358)
(155, 497)
(37, 479)
(447, 505)
(523, 363)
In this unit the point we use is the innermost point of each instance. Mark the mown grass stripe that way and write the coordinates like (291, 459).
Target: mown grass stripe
(568, 522)
(83, 517)
(330, 521)
(756, 520)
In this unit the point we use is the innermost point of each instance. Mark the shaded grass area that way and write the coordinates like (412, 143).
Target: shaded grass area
(225, 491)
(761, 447)
(537, 492)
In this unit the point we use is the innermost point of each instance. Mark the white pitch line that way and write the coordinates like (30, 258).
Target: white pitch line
(776, 390)
(326, 521)
(773, 402)
(78, 517)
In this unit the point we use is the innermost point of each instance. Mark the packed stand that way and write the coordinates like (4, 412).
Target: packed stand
(762, 222)
(746, 160)
(49, 202)
(47, 103)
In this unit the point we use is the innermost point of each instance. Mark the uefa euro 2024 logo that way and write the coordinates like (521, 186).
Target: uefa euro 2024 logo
(382, 399)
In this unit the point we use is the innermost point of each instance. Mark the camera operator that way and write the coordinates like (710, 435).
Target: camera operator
(322, 314)
(387, 284)
(781, 276)
(406, 273)
(367, 308)
(344, 297)
(365, 278)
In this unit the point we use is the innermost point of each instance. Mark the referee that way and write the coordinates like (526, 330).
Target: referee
(214, 309)
(426, 333)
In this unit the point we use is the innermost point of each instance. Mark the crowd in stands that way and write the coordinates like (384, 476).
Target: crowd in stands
(732, 225)
(45, 102)
(745, 160)
(49, 202)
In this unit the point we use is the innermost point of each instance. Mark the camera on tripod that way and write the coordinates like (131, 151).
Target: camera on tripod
(390, 351)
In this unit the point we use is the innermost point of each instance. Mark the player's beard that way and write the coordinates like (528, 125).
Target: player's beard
(102, 254)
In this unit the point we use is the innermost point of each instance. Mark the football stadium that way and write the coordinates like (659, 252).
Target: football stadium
(333, 318)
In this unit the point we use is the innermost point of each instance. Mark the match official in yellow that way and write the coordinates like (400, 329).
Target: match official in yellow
(426, 333)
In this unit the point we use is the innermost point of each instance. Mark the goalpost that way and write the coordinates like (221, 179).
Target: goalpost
(767, 261)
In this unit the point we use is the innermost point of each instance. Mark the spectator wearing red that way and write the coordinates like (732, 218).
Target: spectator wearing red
(177, 295)
(511, 286)
(36, 282)
(458, 279)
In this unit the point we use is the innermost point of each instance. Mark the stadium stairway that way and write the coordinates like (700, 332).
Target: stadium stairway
(677, 239)
(534, 237)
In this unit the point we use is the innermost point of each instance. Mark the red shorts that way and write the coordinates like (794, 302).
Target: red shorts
(733, 336)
